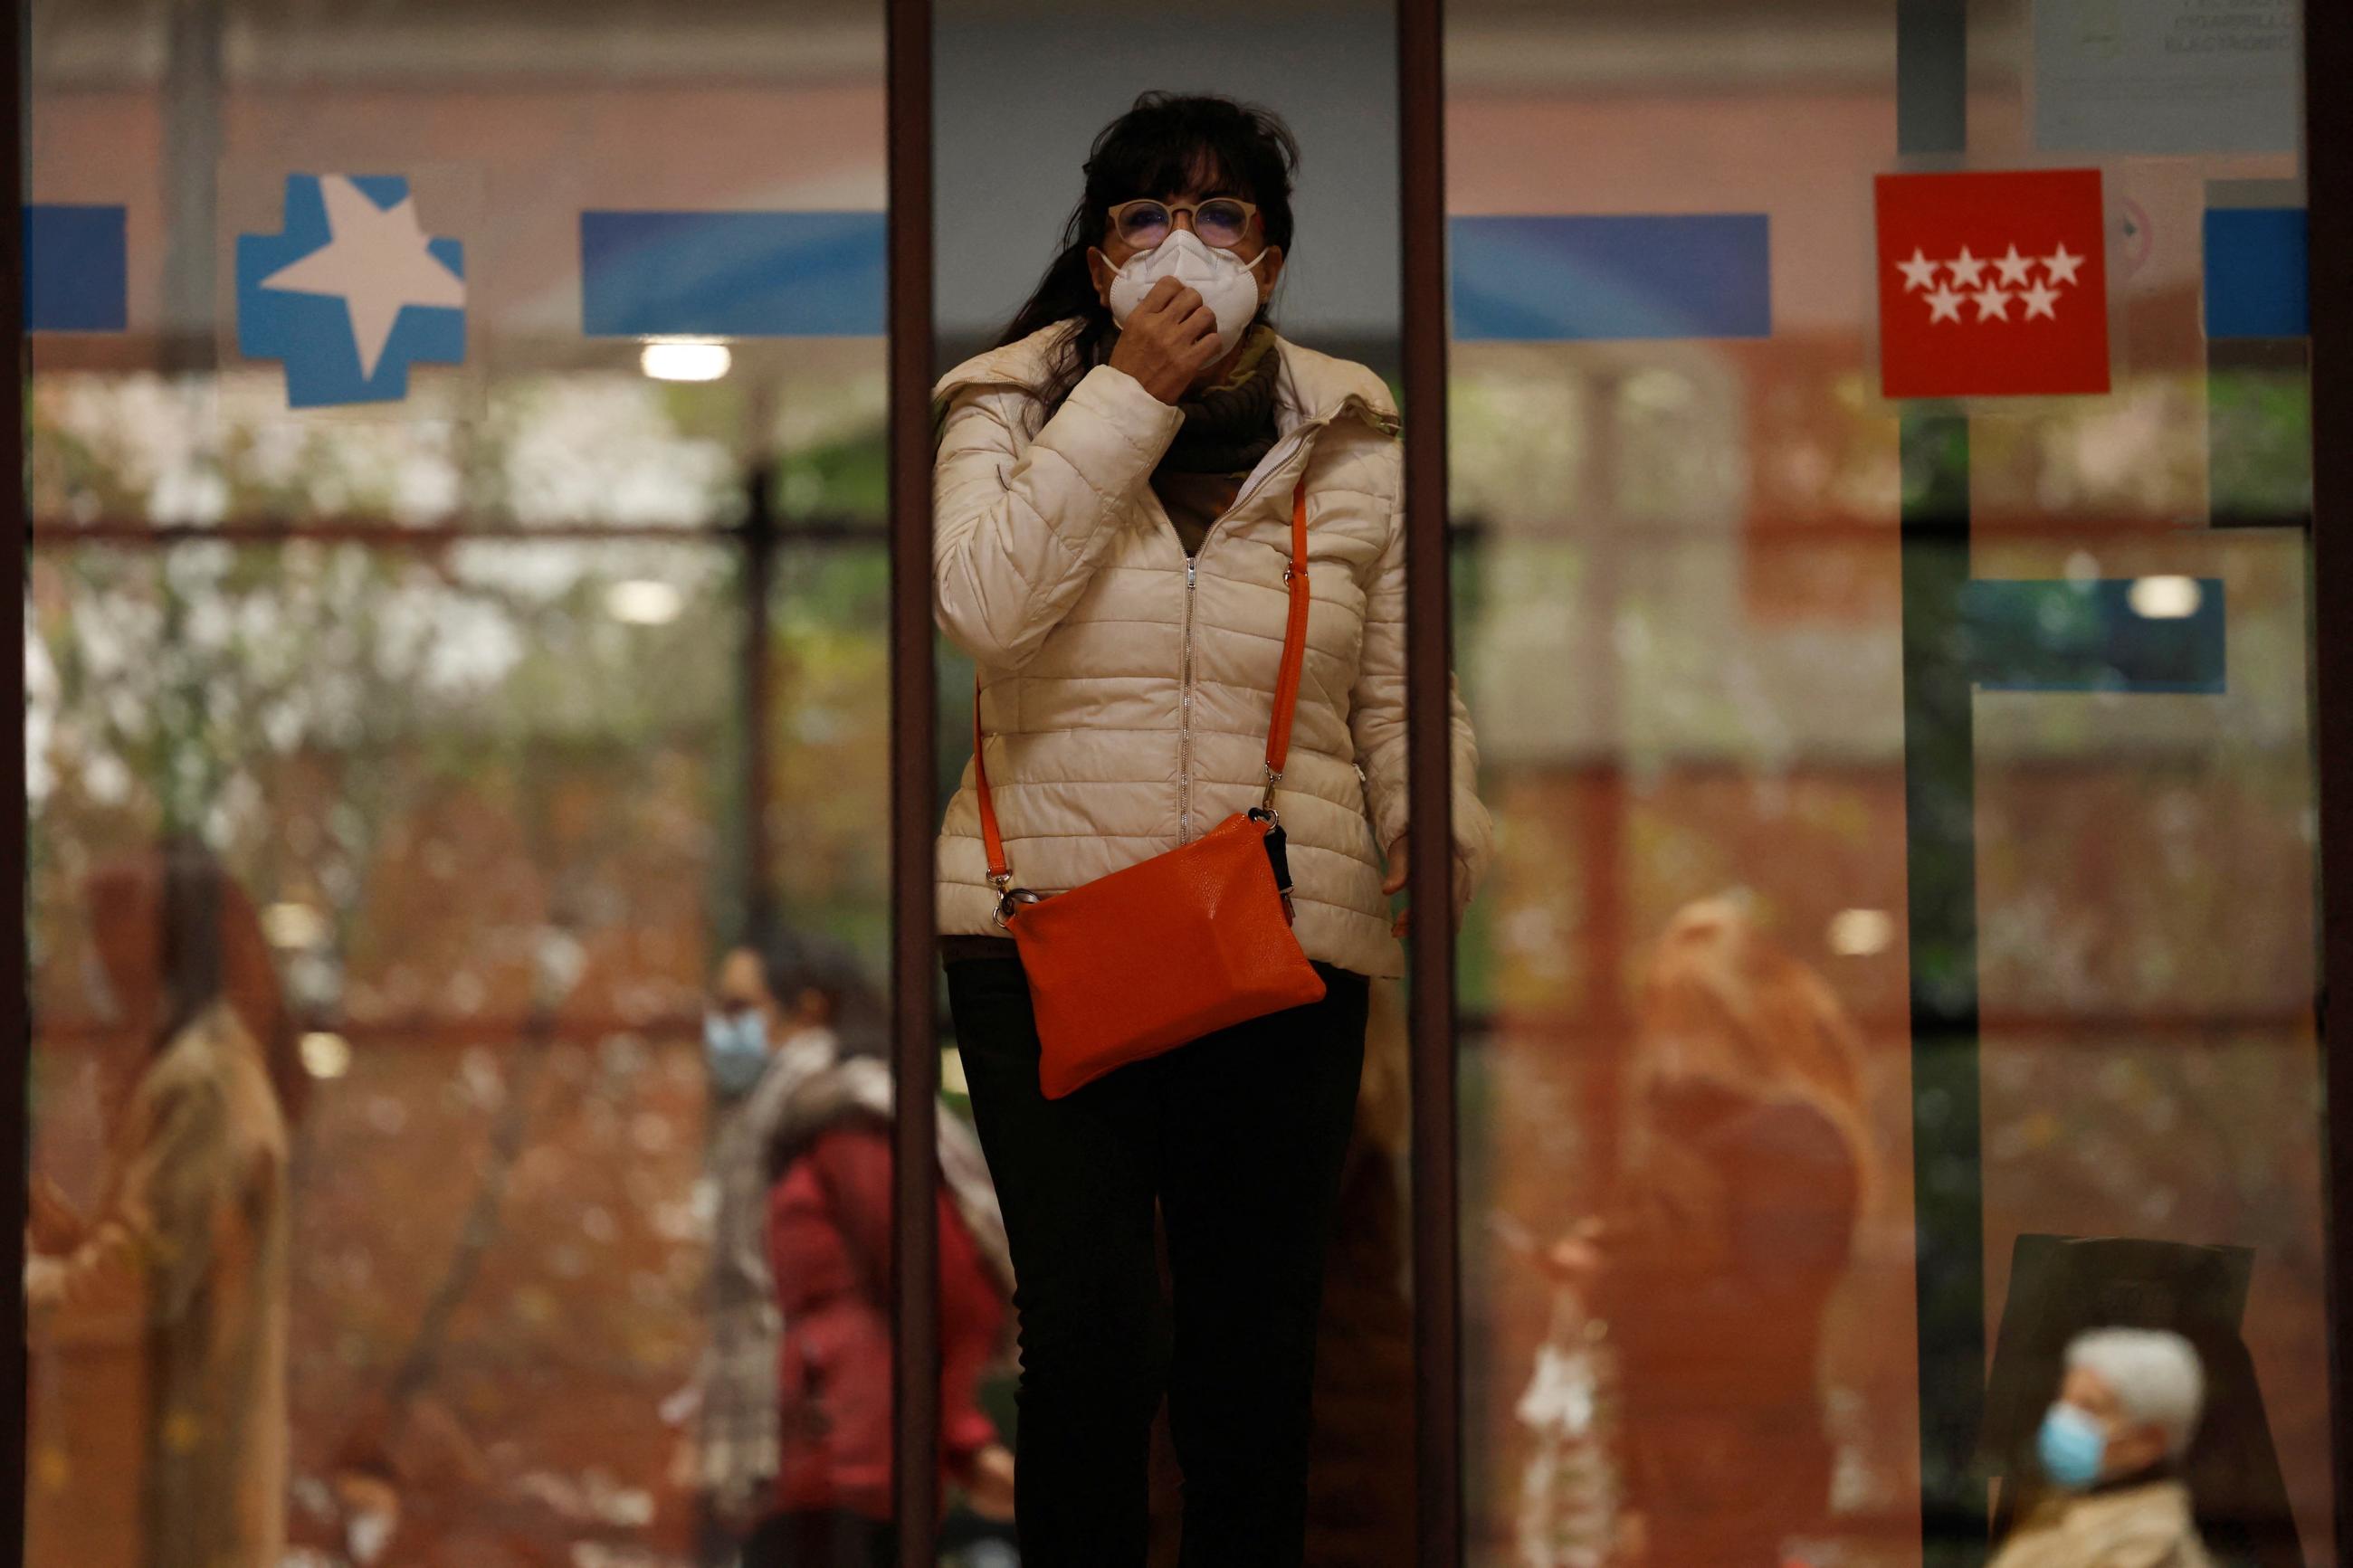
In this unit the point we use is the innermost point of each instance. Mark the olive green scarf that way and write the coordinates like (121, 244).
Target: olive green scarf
(1230, 426)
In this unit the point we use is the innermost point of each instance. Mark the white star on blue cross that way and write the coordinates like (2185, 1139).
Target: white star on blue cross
(350, 293)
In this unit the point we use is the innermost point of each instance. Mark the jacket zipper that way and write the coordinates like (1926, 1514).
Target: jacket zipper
(1185, 713)
(1297, 438)
(1185, 677)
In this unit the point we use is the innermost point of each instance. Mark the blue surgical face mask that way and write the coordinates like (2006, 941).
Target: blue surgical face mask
(2073, 1448)
(737, 1046)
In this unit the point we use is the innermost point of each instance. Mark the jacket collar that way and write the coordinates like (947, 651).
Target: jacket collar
(1310, 388)
(2152, 1475)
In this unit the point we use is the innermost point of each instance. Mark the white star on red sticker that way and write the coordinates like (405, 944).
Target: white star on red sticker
(1919, 272)
(2062, 266)
(1945, 305)
(1965, 269)
(2040, 300)
(2014, 267)
(1992, 301)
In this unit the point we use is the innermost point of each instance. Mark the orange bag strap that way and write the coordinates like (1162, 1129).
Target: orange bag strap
(1294, 649)
(1278, 732)
(991, 835)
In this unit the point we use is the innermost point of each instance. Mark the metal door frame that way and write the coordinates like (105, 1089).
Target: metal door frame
(914, 1250)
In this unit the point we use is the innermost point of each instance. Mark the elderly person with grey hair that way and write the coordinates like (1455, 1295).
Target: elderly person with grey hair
(2112, 1445)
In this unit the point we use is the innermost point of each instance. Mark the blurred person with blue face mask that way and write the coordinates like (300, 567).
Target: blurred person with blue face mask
(743, 1024)
(770, 1027)
(2111, 1447)
(783, 1409)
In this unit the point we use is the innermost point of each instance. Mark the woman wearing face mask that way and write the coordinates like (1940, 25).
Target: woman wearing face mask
(1115, 498)
(2112, 1445)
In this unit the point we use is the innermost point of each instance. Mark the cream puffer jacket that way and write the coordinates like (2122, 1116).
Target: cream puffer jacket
(1126, 688)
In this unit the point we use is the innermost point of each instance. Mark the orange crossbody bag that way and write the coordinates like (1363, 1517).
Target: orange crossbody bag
(1193, 940)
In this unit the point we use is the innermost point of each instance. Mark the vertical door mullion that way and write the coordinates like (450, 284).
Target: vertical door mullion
(914, 1234)
(1437, 1264)
(14, 1069)
(1940, 870)
(2328, 168)
(756, 696)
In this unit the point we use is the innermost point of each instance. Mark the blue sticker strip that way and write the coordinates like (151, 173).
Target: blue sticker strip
(1565, 279)
(2088, 636)
(2258, 273)
(732, 274)
(76, 270)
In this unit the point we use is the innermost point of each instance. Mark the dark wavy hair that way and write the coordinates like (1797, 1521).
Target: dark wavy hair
(794, 962)
(1167, 143)
(174, 927)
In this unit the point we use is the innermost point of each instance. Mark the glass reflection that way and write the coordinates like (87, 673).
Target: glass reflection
(1976, 703)
(2121, 1421)
(486, 932)
(1694, 1307)
(158, 1320)
(512, 703)
(793, 1429)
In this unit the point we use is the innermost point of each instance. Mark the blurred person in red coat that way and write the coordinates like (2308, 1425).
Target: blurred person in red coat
(829, 1239)
(778, 1017)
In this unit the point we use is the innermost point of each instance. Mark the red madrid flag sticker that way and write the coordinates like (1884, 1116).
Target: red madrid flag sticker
(1992, 285)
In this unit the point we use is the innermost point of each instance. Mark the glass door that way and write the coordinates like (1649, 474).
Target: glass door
(1880, 517)
(455, 635)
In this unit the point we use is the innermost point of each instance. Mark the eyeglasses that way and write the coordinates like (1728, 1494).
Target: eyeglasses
(1221, 222)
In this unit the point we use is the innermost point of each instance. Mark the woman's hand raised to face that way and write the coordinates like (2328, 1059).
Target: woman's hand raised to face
(1171, 339)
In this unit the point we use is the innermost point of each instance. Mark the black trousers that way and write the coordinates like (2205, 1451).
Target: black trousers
(1239, 1138)
(831, 1539)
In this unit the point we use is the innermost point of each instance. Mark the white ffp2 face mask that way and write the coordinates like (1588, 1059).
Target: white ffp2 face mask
(1226, 284)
